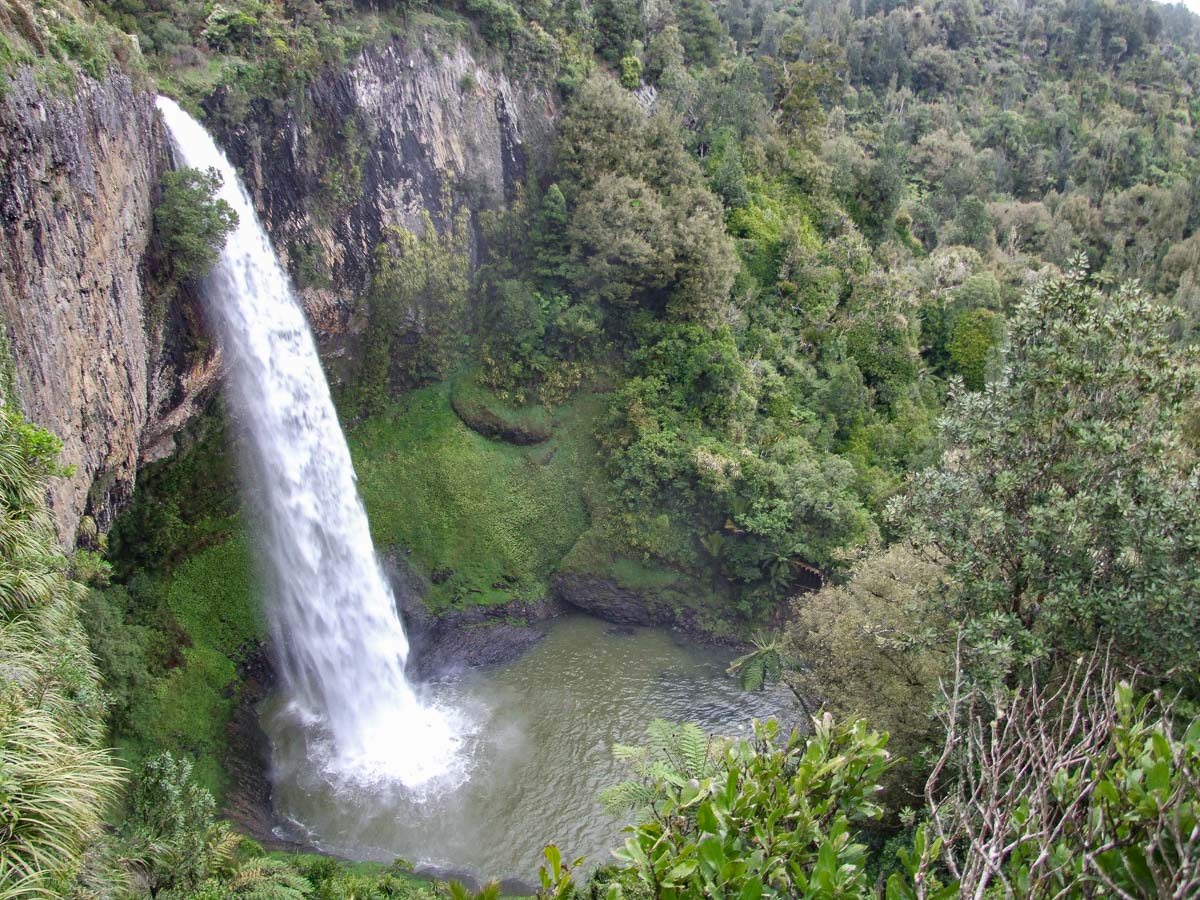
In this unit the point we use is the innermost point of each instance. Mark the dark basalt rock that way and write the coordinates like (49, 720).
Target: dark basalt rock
(480, 645)
(605, 599)
(248, 764)
(475, 636)
(450, 640)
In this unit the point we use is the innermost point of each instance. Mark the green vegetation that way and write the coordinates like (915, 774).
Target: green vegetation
(417, 307)
(762, 818)
(1068, 791)
(831, 341)
(171, 846)
(56, 780)
(253, 52)
(1066, 516)
(485, 521)
(60, 39)
(169, 647)
(192, 223)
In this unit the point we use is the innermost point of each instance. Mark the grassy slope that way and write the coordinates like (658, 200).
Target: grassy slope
(210, 596)
(487, 511)
(475, 511)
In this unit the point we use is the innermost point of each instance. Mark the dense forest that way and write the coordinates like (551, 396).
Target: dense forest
(866, 332)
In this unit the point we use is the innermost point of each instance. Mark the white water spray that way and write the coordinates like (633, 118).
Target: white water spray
(339, 641)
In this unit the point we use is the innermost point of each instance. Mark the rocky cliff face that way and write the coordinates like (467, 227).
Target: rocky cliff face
(409, 127)
(406, 128)
(77, 179)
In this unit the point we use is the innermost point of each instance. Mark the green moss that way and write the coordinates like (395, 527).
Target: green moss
(332, 877)
(210, 594)
(465, 511)
(182, 505)
(485, 413)
(211, 598)
(474, 511)
(635, 575)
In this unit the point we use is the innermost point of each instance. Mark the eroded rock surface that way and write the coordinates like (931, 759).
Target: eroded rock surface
(78, 177)
(408, 128)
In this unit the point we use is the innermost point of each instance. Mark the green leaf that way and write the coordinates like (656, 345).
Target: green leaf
(554, 857)
(681, 872)
(751, 890)
(712, 854)
(898, 888)
(706, 819)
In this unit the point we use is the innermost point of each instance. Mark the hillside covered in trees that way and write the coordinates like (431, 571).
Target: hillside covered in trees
(859, 333)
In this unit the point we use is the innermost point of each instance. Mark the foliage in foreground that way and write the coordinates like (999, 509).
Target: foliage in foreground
(1064, 507)
(770, 818)
(55, 780)
(1069, 785)
(874, 648)
(1078, 789)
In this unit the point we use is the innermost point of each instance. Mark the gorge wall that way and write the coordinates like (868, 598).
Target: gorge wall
(78, 177)
(407, 128)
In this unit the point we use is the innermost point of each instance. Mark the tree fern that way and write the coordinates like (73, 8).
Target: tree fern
(760, 667)
(260, 878)
(675, 756)
(490, 891)
(628, 795)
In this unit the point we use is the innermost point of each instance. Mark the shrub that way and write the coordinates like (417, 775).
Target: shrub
(766, 818)
(55, 781)
(192, 223)
(631, 72)
(973, 345)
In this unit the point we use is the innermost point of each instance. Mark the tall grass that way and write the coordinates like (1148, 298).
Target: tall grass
(55, 779)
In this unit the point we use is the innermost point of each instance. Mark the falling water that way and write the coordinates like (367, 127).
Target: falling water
(339, 642)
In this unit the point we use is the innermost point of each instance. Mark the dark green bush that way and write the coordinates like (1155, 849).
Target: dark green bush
(192, 223)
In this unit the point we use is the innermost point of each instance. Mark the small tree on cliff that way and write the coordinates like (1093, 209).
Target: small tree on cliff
(192, 223)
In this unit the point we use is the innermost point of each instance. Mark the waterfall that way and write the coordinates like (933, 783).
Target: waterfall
(338, 640)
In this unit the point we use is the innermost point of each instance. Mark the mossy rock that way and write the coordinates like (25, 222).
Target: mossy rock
(487, 415)
(490, 519)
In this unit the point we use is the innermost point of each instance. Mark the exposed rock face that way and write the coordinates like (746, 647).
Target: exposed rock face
(450, 640)
(406, 129)
(401, 131)
(605, 599)
(77, 180)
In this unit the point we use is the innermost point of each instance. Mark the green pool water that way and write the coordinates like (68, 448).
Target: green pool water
(537, 751)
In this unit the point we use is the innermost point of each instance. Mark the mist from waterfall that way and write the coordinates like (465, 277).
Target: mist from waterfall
(338, 640)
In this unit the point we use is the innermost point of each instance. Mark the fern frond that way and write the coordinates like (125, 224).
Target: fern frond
(626, 796)
(630, 754)
(693, 748)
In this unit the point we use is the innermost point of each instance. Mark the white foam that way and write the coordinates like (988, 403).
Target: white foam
(340, 644)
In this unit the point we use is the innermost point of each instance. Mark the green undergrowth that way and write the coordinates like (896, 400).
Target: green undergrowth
(484, 520)
(332, 877)
(481, 520)
(62, 41)
(250, 73)
(685, 593)
(173, 631)
(203, 623)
